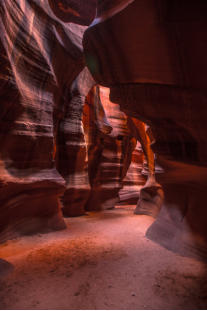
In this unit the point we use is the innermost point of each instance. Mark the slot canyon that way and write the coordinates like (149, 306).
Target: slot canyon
(103, 158)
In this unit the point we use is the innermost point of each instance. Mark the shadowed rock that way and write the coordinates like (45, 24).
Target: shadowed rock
(152, 54)
(5, 268)
(40, 58)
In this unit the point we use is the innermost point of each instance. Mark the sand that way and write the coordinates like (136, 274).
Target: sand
(101, 261)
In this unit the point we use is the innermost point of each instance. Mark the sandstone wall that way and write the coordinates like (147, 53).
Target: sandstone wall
(40, 58)
(152, 54)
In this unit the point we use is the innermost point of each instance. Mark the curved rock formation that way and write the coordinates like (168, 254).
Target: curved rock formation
(109, 149)
(71, 158)
(152, 54)
(111, 140)
(34, 84)
(81, 12)
(134, 180)
(151, 194)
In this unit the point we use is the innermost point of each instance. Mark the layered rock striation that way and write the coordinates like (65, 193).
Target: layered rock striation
(40, 58)
(110, 148)
(152, 55)
(72, 148)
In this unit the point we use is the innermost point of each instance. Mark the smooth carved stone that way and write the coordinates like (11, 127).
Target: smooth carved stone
(72, 147)
(40, 57)
(122, 131)
(5, 268)
(151, 195)
(152, 55)
(106, 7)
(134, 179)
(155, 41)
(81, 12)
(110, 147)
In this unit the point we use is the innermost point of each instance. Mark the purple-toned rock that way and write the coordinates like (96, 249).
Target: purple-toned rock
(40, 57)
(72, 148)
(110, 152)
(152, 55)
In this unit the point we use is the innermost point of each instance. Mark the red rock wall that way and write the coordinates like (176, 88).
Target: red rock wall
(152, 54)
(134, 180)
(71, 157)
(40, 58)
(111, 146)
(52, 158)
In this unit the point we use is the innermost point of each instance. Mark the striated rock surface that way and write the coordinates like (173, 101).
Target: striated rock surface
(150, 196)
(71, 159)
(152, 54)
(110, 147)
(134, 180)
(40, 57)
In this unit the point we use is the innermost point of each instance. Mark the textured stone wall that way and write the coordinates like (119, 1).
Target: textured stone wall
(110, 146)
(40, 57)
(59, 158)
(71, 158)
(152, 54)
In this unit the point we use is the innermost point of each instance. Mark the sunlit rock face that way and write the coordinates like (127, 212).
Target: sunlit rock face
(71, 159)
(115, 159)
(151, 194)
(110, 148)
(40, 58)
(49, 163)
(134, 180)
(152, 54)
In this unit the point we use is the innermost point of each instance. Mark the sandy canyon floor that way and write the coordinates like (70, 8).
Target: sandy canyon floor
(101, 261)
